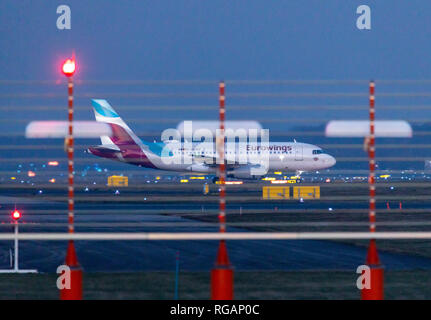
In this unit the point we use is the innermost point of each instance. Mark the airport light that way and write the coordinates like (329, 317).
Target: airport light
(69, 67)
(279, 181)
(16, 215)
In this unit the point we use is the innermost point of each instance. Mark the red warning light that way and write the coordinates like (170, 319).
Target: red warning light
(69, 67)
(16, 215)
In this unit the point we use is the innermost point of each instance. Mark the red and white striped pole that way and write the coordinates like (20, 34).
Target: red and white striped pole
(222, 167)
(222, 273)
(75, 290)
(70, 154)
(375, 291)
(372, 161)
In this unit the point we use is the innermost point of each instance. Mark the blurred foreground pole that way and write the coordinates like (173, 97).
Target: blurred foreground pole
(222, 273)
(75, 291)
(375, 292)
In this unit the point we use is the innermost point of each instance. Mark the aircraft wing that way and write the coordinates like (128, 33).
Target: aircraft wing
(214, 161)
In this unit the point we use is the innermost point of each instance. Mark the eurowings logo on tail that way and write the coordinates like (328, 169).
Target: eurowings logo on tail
(122, 134)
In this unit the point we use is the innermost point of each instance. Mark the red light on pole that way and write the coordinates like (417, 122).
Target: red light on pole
(69, 67)
(16, 215)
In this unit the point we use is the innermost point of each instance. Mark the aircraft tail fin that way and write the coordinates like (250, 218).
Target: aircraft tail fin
(121, 133)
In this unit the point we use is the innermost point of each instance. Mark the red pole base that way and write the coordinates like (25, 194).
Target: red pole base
(376, 285)
(222, 284)
(375, 292)
(222, 275)
(75, 290)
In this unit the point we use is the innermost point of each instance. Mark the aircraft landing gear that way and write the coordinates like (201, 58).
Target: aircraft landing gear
(298, 173)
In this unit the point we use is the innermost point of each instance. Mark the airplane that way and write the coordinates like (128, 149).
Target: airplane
(124, 146)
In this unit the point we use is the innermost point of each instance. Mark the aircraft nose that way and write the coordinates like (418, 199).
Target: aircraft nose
(331, 161)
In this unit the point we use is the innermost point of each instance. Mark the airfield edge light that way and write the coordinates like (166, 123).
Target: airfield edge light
(16, 215)
(69, 67)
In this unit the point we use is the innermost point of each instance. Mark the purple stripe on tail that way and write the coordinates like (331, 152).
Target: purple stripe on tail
(130, 151)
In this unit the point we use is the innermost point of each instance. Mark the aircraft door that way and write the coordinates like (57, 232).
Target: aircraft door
(297, 150)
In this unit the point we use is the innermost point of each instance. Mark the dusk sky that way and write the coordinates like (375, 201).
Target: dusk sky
(217, 39)
(210, 40)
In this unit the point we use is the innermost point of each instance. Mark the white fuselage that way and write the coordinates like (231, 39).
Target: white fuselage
(283, 156)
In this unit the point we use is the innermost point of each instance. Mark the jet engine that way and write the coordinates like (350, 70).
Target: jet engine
(244, 172)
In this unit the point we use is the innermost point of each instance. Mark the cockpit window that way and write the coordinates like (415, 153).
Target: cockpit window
(317, 151)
